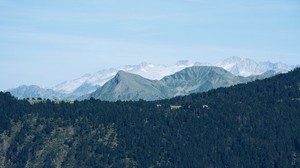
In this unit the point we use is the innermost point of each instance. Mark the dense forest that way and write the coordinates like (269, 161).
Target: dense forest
(244, 126)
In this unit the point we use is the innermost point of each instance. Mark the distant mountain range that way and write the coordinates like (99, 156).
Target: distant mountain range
(247, 67)
(155, 81)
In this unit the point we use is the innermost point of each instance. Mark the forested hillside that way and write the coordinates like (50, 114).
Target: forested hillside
(247, 125)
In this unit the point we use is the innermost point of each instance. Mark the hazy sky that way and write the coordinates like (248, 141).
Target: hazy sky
(47, 42)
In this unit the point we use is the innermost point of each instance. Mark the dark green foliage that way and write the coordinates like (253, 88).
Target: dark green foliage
(248, 125)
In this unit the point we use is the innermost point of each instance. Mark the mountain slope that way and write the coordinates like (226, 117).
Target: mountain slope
(126, 86)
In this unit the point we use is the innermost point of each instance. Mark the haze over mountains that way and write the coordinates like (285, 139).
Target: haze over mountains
(144, 84)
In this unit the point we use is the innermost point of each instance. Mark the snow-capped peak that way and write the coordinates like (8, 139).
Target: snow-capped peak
(183, 63)
(233, 59)
(247, 67)
(230, 62)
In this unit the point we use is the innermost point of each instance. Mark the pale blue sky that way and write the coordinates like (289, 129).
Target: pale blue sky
(47, 42)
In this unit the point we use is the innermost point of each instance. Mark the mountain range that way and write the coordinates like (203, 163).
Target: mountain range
(164, 80)
(126, 86)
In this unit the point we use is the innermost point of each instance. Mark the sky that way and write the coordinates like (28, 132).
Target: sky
(48, 42)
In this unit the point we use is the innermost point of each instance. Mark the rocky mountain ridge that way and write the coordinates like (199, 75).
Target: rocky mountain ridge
(126, 86)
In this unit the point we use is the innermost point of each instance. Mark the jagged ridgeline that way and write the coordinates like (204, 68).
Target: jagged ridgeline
(126, 86)
(247, 125)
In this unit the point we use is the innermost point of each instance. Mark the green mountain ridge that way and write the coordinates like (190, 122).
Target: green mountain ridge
(201, 79)
(126, 86)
